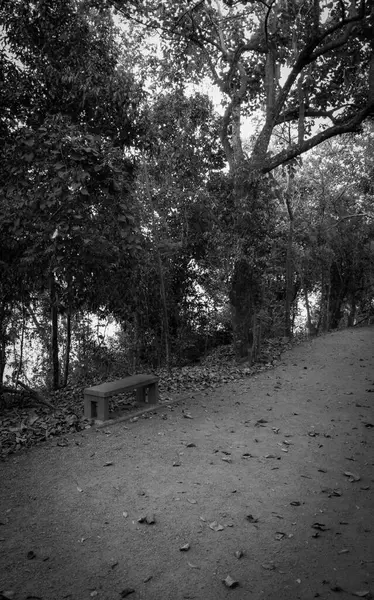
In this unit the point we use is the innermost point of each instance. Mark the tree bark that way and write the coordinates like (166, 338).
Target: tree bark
(165, 313)
(245, 298)
(289, 262)
(289, 283)
(324, 321)
(54, 334)
(3, 341)
(67, 349)
(352, 312)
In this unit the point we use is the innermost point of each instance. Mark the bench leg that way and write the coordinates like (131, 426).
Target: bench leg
(103, 409)
(140, 395)
(153, 393)
(96, 408)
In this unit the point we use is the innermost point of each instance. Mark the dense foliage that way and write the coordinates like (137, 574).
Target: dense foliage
(130, 197)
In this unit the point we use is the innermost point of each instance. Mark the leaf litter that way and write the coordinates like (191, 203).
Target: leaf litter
(25, 423)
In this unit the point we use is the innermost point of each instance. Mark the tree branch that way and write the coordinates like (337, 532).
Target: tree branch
(350, 126)
(333, 45)
(349, 217)
(306, 56)
(292, 114)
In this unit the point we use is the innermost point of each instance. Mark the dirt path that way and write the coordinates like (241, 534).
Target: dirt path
(267, 458)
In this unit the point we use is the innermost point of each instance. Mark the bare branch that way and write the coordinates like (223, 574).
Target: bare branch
(306, 56)
(293, 114)
(350, 126)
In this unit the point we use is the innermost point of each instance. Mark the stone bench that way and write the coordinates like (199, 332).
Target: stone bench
(96, 398)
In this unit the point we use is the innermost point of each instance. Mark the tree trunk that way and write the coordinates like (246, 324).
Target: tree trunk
(165, 314)
(323, 321)
(352, 311)
(68, 333)
(67, 349)
(311, 328)
(245, 298)
(164, 311)
(289, 265)
(3, 342)
(54, 334)
(20, 362)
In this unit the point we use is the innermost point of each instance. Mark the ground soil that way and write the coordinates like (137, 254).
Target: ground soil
(268, 480)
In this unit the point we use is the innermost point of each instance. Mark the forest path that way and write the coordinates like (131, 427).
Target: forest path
(267, 458)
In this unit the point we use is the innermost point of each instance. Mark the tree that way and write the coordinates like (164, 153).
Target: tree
(178, 153)
(305, 64)
(335, 226)
(68, 116)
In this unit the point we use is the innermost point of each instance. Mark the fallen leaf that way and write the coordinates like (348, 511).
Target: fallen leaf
(270, 456)
(184, 548)
(320, 526)
(226, 459)
(352, 476)
(230, 582)
(191, 501)
(148, 518)
(62, 442)
(270, 566)
(362, 594)
(215, 526)
(108, 464)
(193, 566)
(187, 416)
(191, 445)
(295, 503)
(251, 519)
(344, 551)
(126, 592)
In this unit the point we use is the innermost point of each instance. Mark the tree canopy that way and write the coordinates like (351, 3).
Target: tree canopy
(129, 193)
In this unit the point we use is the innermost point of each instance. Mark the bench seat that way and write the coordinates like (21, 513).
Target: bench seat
(96, 398)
